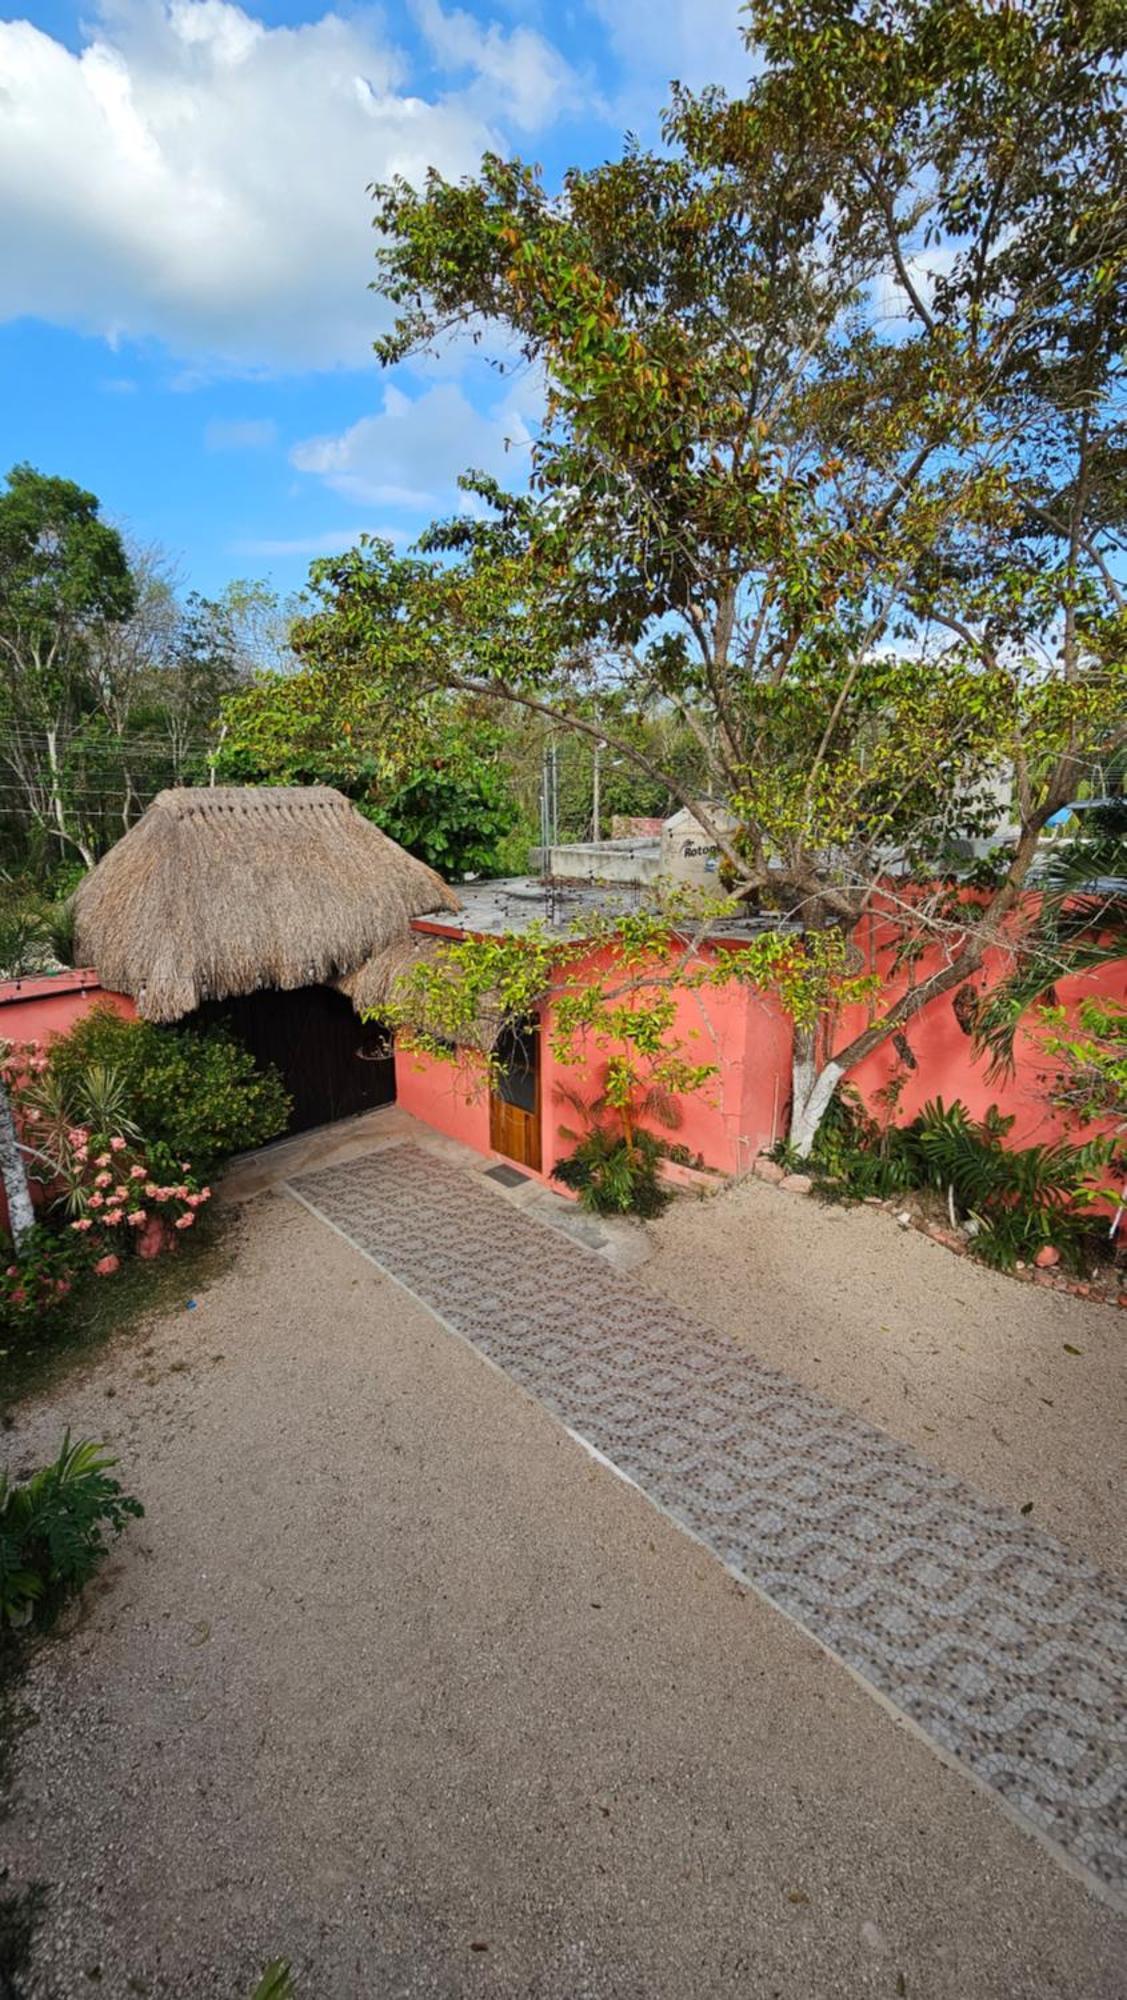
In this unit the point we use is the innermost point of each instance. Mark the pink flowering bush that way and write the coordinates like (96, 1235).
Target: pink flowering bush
(108, 1193)
(153, 1195)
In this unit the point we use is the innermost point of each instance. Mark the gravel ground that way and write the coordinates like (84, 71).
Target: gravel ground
(395, 1680)
(1019, 1390)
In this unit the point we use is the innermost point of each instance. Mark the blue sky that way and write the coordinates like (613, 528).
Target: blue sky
(185, 247)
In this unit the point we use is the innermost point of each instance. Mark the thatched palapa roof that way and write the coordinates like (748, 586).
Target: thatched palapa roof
(375, 982)
(217, 892)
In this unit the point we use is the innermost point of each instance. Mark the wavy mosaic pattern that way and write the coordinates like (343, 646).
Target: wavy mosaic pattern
(1007, 1650)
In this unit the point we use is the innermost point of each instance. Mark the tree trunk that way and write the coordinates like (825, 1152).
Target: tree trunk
(812, 1089)
(21, 1214)
(57, 805)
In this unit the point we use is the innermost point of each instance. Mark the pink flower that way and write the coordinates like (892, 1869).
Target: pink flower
(103, 1160)
(181, 1193)
(102, 1180)
(117, 1145)
(112, 1216)
(137, 1173)
(82, 1154)
(106, 1266)
(38, 1064)
(194, 1200)
(77, 1135)
(13, 1271)
(84, 1222)
(205, 1194)
(185, 1166)
(19, 1296)
(97, 1200)
(184, 1221)
(62, 1287)
(152, 1190)
(136, 1217)
(121, 1192)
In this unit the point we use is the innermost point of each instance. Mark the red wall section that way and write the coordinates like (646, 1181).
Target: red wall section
(746, 1106)
(32, 1010)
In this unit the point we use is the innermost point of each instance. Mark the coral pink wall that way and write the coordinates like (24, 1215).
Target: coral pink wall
(453, 1101)
(947, 1065)
(739, 1110)
(746, 1106)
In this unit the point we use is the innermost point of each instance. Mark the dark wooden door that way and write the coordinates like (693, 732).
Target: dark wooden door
(514, 1102)
(332, 1063)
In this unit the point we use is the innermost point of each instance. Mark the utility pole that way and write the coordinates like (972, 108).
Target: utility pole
(595, 800)
(549, 804)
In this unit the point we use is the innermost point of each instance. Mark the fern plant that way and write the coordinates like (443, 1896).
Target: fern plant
(856, 1156)
(612, 1177)
(1014, 1199)
(1019, 1198)
(53, 1528)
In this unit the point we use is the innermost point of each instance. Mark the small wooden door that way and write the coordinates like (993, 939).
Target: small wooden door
(514, 1101)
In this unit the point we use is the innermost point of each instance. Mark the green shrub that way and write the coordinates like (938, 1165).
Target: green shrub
(61, 921)
(612, 1176)
(1020, 1198)
(195, 1091)
(38, 1285)
(36, 936)
(53, 1528)
(25, 943)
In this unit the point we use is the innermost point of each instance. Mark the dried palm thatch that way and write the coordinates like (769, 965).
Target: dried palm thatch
(217, 892)
(382, 979)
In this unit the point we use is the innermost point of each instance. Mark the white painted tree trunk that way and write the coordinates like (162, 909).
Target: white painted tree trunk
(812, 1091)
(21, 1214)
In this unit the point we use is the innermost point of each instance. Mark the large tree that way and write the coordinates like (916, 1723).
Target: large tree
(64, 575)
(832, 460)
(433, 776)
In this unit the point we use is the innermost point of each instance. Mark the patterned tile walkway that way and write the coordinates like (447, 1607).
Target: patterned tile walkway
(1005, 1649)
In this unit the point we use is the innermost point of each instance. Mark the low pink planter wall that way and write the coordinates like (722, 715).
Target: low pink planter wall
(32, 1010)
(35, 1010)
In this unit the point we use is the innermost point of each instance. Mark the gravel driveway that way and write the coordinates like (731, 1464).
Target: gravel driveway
(394, 1680)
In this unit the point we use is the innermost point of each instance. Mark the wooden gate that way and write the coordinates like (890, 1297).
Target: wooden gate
(332, 1063)
(514, 1101)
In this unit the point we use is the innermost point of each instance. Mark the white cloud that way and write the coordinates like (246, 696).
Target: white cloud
(330, 542)
(194, 175)
(522, 71)
(410, 454)
(693, 41)
(249, 434)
